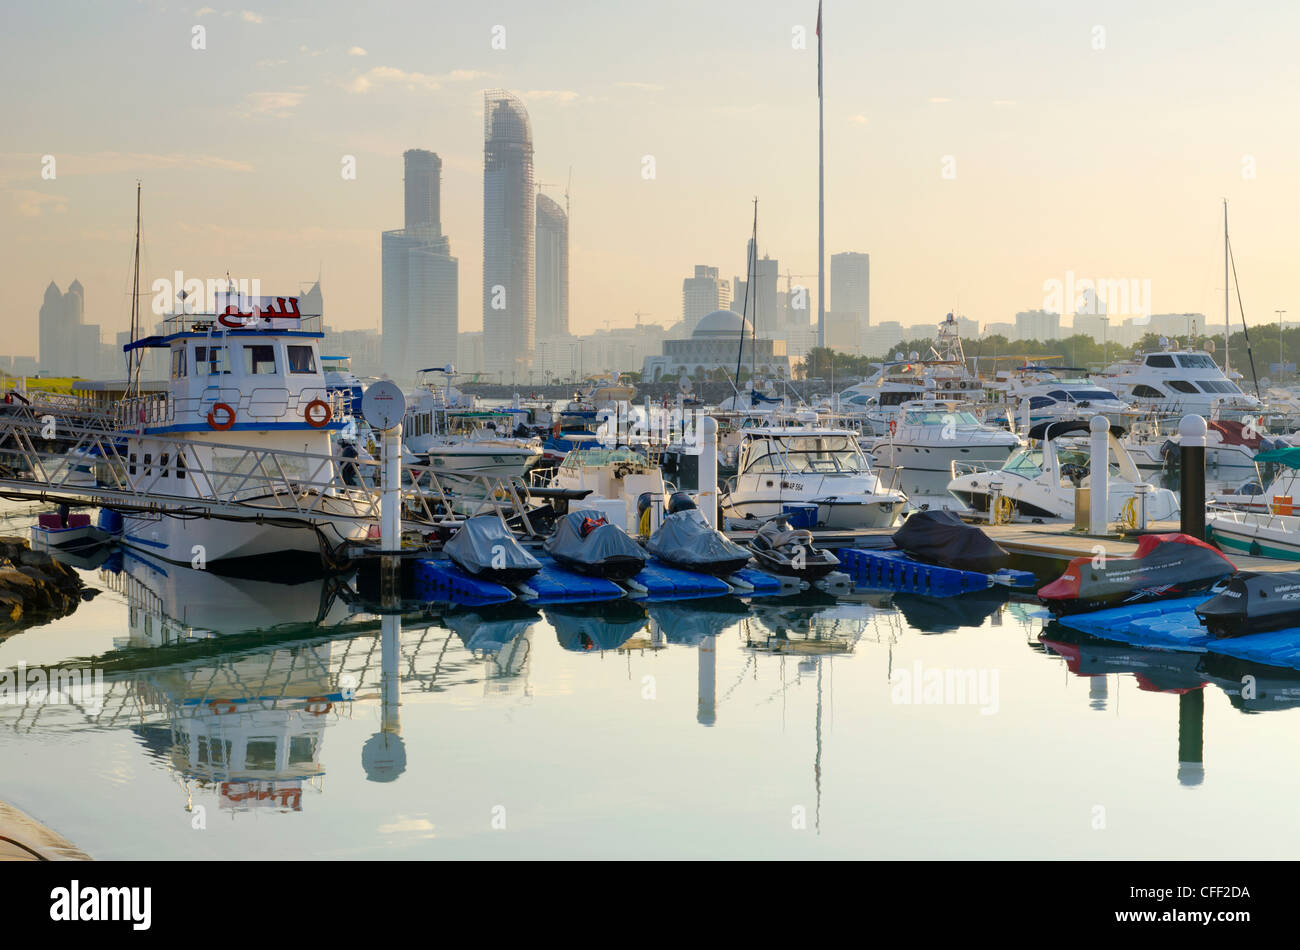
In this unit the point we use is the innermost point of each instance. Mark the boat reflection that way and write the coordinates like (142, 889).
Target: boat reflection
(595, 628)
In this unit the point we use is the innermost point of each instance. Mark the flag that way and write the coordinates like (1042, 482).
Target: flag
(819, 49)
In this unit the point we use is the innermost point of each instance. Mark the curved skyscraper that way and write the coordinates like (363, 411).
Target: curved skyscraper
(552, 270)
(509, 219)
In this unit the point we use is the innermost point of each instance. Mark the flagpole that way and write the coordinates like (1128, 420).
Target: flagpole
(821, 193)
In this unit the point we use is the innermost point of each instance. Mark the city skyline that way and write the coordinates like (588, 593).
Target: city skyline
(1023, 207)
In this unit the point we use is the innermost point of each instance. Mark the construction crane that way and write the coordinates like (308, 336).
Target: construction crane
(639, 314)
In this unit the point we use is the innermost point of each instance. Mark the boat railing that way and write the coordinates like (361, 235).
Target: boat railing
(959, 468)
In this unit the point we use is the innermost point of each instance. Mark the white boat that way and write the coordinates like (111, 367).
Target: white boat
(465, 442)
(615, 477)
(53, 532)
(1178, 383)
(1051, 393)
(1040, 481)
(1229, 444)
(246, 418)
(928, 436)
(782, 466)
(1258, 533)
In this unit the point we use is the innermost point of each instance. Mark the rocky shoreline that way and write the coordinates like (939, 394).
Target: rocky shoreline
(34, 587)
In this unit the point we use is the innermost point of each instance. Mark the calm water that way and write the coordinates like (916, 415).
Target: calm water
(688, 730)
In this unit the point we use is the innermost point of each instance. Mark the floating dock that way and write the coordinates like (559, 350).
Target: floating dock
(894, 570)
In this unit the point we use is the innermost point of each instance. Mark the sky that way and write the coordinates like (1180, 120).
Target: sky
(975, 151)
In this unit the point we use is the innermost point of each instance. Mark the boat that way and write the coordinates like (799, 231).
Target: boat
(1164, 566)
(62, 531)
(685, 540)
(1044, 392)
(1253, 602)
(1258, 533)
(813, 466)
(927, 436)
(339, 378)
(613, 479)
(484, 547)
(1178, 382)
(1040, 481)
(941, 537)
(586, 542)
(780, 549)
(465, 442)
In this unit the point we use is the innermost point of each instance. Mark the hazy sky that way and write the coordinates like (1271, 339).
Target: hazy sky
(1108, 162)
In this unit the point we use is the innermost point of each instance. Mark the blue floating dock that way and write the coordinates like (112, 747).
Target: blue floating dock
(894, 570)
(1276, 648)
(555, 585)
(1162, 624)
(763, 584)
(658, 581)
(442, 581)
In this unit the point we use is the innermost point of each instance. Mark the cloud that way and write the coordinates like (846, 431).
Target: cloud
(248, 16)
(379, 76)
(274, 104)
(18, 166)
(356, 51)
(647, 86)
(33, 204)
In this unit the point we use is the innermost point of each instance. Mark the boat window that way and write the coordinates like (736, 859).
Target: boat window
(301, 359)
(1196, 361)
(259, 360)
(131, 466)
(1161, 359)
(180, 464)
(832, 453)
(148, 463)
(259, 754)
(1026, 462)
(1092, 395)
(302, 750)
(765, 463)
(178, 363)
(1147, 392)
(1181, 385)
(162, 464)
(933, 417)
(210, 360)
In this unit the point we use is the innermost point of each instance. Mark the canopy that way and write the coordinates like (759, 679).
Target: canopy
(1290, 456)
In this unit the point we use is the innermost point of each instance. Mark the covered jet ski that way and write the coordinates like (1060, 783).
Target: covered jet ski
(1165, 565)
(941, 537)
(485, 548)
(687, 541)
(585, 541)
(1253, 602)
(780, 549)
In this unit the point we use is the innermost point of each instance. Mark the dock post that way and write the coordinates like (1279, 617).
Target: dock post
(390, 516)
(706, 713)
(1024, 406)
(1099, 480)
(708, 493)
(1191, 489)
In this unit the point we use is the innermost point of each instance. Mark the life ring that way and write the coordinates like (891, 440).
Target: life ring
(893, 426)
(212, 416)
(319, 705)
(221, 707)
(1003, 510)
(307, 413)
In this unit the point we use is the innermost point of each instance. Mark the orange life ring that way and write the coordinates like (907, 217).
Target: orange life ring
(893, 426)
(307, 413)
(319, 705)
(212, 416)
(222, 706)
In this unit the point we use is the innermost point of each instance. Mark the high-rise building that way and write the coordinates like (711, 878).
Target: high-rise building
(763, 308)
(421, 280)
(68, 345)
(552, 270)
(702, 295)
(509, 248)
(851, 285)
(1039, 325)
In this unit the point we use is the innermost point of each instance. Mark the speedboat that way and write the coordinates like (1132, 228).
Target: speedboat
(613, 478)
(1040, 481)
(781, 549)
(54, 531)
(928, 436)
(1050, 393)
(820, 467)
(1165, 565)
(687, 541)
(485, 548)
(1179, 382)
(586, 542)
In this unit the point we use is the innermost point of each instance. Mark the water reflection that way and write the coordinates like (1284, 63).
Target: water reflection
(596, 627)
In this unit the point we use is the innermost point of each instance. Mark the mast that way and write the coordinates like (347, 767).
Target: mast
(821, 193)
(1227, 318)
(135, 359)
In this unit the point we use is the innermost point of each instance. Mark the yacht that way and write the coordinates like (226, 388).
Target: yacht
(1179, 382)
(1040, 481)
(821, 468)
(465, 442)
(1051, 393)
(928, 436)
(339, 378)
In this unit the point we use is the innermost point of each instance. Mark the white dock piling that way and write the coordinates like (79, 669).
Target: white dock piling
(1099, 482)
(390, 504)
(708, 494)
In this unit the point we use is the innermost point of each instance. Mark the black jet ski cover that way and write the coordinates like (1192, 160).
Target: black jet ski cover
(1165, 565)
(485, 548)
(686, 540)
(584, 541)
(941, 537)
(1253, 602)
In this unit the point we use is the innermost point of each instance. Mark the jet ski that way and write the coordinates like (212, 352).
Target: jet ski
(1253, 602)
(780, 549)
(941, 537)
(1165, 565)
(585, 541)
(485, 548)
(688, 542)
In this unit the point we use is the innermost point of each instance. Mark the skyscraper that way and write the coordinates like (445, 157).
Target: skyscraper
(702, 295)
(421, 313)
(552, 270)
(851, 286)
(509, 249)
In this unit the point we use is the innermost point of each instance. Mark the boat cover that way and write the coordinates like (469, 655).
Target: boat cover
(1253, 602)
(586, 541)
(485, 547)
(687, 540)
(1165, 566)
(941, 537)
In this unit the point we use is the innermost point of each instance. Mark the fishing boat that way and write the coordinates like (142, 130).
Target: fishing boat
(819, 468)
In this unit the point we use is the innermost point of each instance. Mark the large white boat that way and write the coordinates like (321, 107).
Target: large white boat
(1048, 393)
(1177, 383)
(824, 468)
(246, 418)
(465, 442)
(1039, 482)
(927, 437)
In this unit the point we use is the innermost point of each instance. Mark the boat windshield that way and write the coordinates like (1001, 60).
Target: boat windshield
(591, 458)
(935, 417)
(804, 454)
(1026, 462)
